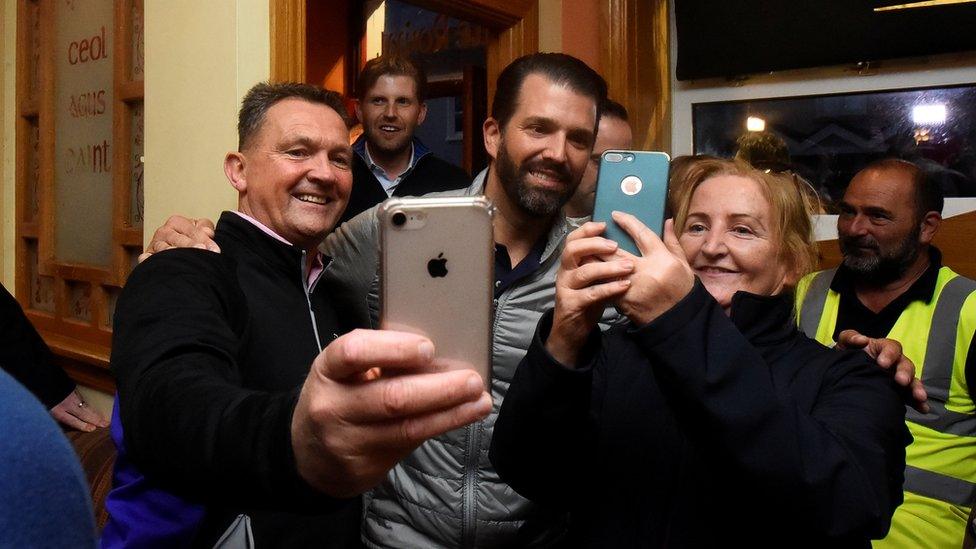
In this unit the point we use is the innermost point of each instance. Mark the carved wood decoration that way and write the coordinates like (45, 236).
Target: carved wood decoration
(637, 68)
(72, 304)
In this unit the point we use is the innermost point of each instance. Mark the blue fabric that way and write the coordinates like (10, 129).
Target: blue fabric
(506, 275)
(44, 497)
(141, 514)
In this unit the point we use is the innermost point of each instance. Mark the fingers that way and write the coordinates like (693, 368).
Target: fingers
(647, 242)
(587, 230)
(904, 371)
(888, 352)
(89, 415)
(74, 412)
(410, 432)
(600, 293)
(204, 224)
(584, 249)
(920, 396)
(851, 339)
(62, 416)
(671, 240)
(181, 232)
(361, 350)
(591, 273)
(406, 396)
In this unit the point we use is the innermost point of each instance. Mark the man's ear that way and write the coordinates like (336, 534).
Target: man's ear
(929, 226)
(359, 110)
(493, 135)
(235, 172)
(423, 113)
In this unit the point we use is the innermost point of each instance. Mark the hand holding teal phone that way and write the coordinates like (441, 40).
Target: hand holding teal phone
(635, 182)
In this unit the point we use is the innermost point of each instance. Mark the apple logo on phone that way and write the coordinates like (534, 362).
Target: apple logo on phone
(437, 267)
(631, 185)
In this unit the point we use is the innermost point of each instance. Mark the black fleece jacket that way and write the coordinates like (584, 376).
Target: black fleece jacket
(698, 430)
(210, 352)
(429, 175)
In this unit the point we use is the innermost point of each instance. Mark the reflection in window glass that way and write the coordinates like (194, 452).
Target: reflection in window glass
(830, 138)
(443, 45)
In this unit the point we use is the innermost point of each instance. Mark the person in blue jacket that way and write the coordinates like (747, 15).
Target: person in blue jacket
(44, 499)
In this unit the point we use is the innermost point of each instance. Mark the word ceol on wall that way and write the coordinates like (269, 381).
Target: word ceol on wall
(88, 49)
(89, 158)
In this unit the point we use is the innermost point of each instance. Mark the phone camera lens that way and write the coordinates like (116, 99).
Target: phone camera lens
(399, 219)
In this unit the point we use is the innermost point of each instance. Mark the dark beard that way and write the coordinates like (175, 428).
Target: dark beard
(541, 202)
(880, 268)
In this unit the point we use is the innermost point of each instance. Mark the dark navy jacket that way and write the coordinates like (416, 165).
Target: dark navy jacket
(429, 174)
(700, 430)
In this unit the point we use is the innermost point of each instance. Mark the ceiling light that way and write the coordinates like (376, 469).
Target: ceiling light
(929, 115)
(923, 4)
(755, 124)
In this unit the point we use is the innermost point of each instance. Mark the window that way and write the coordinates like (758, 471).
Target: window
(79, 132)
(831, 137)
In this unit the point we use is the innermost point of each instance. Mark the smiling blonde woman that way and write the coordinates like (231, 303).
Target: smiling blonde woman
(709, 418)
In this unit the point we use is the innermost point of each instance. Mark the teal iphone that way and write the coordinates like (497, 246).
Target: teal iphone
(634, 182)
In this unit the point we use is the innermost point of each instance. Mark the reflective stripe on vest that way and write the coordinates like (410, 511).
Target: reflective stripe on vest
(814, 301)
(941, 487)
(939, 354)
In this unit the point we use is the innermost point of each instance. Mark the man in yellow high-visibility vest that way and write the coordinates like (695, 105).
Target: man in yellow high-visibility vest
(892, 284)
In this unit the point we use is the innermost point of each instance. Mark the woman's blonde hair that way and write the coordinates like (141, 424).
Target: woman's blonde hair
(790, 207)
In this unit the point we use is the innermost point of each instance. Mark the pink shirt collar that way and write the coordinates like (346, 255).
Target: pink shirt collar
(317, 264)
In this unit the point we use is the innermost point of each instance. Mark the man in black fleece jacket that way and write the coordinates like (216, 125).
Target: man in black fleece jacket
(211, 352)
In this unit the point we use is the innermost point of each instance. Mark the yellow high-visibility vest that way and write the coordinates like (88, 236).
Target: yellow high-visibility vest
(940, 476)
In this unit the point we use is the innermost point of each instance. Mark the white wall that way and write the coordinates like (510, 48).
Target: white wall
(201, 57)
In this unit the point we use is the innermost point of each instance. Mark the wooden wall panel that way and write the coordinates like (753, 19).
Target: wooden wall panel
(287, 40)
(513, 42)
(636, 64)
